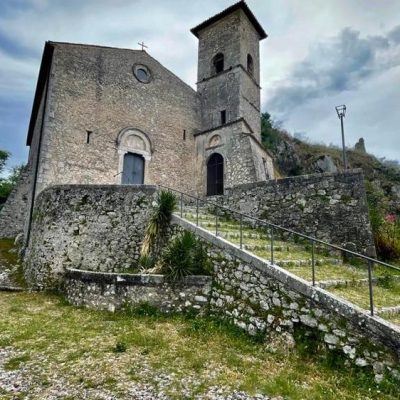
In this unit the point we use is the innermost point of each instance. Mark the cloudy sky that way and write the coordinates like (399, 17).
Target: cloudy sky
(319, 54)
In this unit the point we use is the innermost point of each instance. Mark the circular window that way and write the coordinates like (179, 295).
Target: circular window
(142, 73)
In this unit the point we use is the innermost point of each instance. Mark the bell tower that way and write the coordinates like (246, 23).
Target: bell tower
(228, 81)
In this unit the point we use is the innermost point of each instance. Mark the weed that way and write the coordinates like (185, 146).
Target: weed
(120, 347)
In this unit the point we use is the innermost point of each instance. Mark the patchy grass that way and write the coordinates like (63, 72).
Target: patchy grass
(9, 259)
(385, 295)
(15, 362)
(113, 351)
(6, 254)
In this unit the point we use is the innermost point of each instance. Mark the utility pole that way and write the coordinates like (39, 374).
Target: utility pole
(341, 112)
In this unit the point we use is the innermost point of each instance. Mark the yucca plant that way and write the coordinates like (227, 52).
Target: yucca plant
(185, 255)
(157, 228)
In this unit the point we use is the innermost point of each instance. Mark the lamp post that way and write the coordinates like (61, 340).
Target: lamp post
(341, 112)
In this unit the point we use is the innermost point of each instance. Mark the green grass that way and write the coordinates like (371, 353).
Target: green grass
(59, 343)
(384, 295)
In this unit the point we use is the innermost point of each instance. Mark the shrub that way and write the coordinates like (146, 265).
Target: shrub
(157, 229)
(387, 238)
(184, 256)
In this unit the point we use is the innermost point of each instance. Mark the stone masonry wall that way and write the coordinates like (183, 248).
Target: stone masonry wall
(93, 88)
(264, 299)
(330, 207)
(14, 212)
(97, 228)
(108, 291)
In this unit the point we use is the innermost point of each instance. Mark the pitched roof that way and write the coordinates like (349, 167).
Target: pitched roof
(241, 5)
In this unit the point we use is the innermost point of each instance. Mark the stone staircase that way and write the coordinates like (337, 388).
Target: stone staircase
(346, 279)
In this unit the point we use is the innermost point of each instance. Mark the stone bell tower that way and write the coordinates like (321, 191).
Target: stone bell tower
(228, 147)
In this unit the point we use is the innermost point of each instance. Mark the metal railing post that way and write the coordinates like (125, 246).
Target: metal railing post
(197, 211)
(181, 205)
(241, 231)
(313, 261)
(371, 297)
(272, 245)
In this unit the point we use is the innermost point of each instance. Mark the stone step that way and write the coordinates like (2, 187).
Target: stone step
(388, 311)
(246, 235)
(352, 282)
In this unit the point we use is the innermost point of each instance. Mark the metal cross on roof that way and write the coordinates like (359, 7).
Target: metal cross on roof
(143, 45)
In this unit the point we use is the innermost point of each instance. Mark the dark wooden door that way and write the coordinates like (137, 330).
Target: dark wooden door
(215, 175)
(133, 171)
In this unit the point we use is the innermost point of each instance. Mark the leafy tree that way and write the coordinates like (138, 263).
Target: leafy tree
(4, 155)
(270, 134)
(8, 184)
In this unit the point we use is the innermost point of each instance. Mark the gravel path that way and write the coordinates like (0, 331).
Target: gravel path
(21, 383)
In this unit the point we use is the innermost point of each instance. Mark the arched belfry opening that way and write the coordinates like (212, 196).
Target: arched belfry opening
(133, 169)
(215, 175)
(218, 63)
(250, 64)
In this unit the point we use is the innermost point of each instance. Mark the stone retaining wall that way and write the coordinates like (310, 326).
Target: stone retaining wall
(330, 207)
(110, 291)
(264, 299)
(96, 228)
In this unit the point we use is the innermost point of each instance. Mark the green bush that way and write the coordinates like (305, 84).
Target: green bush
(185, 255)
(387, 246)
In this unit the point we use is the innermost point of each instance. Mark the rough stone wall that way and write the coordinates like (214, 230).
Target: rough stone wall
(233, 90)
(264, 299)
(330, 207)
(94, 89)
(222, 92)
(106, 291)
(243, 156)
(221, 37)
(14, 212)
(98, 228)
(249, 103)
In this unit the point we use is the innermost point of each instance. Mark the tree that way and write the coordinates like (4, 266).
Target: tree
(8, 184)
(270, 134)
(4, 155)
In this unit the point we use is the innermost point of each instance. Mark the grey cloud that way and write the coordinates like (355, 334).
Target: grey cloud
(338, 65)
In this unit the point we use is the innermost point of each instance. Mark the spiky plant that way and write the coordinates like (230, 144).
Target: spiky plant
(157, 228)
(185, 255)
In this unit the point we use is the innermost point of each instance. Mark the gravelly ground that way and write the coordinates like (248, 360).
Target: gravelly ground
(20, 383)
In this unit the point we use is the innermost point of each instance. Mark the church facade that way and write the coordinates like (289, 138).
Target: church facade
(104, 115)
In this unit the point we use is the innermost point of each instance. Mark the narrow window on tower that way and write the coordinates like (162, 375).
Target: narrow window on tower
(184, 134)
(223, 117)
(88, 133)
(218, 63)
(250, 64)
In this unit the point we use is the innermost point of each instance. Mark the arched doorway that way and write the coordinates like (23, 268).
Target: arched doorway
(133, 169)
(215, 175)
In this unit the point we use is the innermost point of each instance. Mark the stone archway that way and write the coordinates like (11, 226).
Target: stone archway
(134, 150)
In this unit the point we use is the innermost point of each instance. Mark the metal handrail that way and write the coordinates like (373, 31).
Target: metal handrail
(371, 261)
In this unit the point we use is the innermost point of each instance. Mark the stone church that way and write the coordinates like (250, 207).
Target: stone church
(105, 115)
